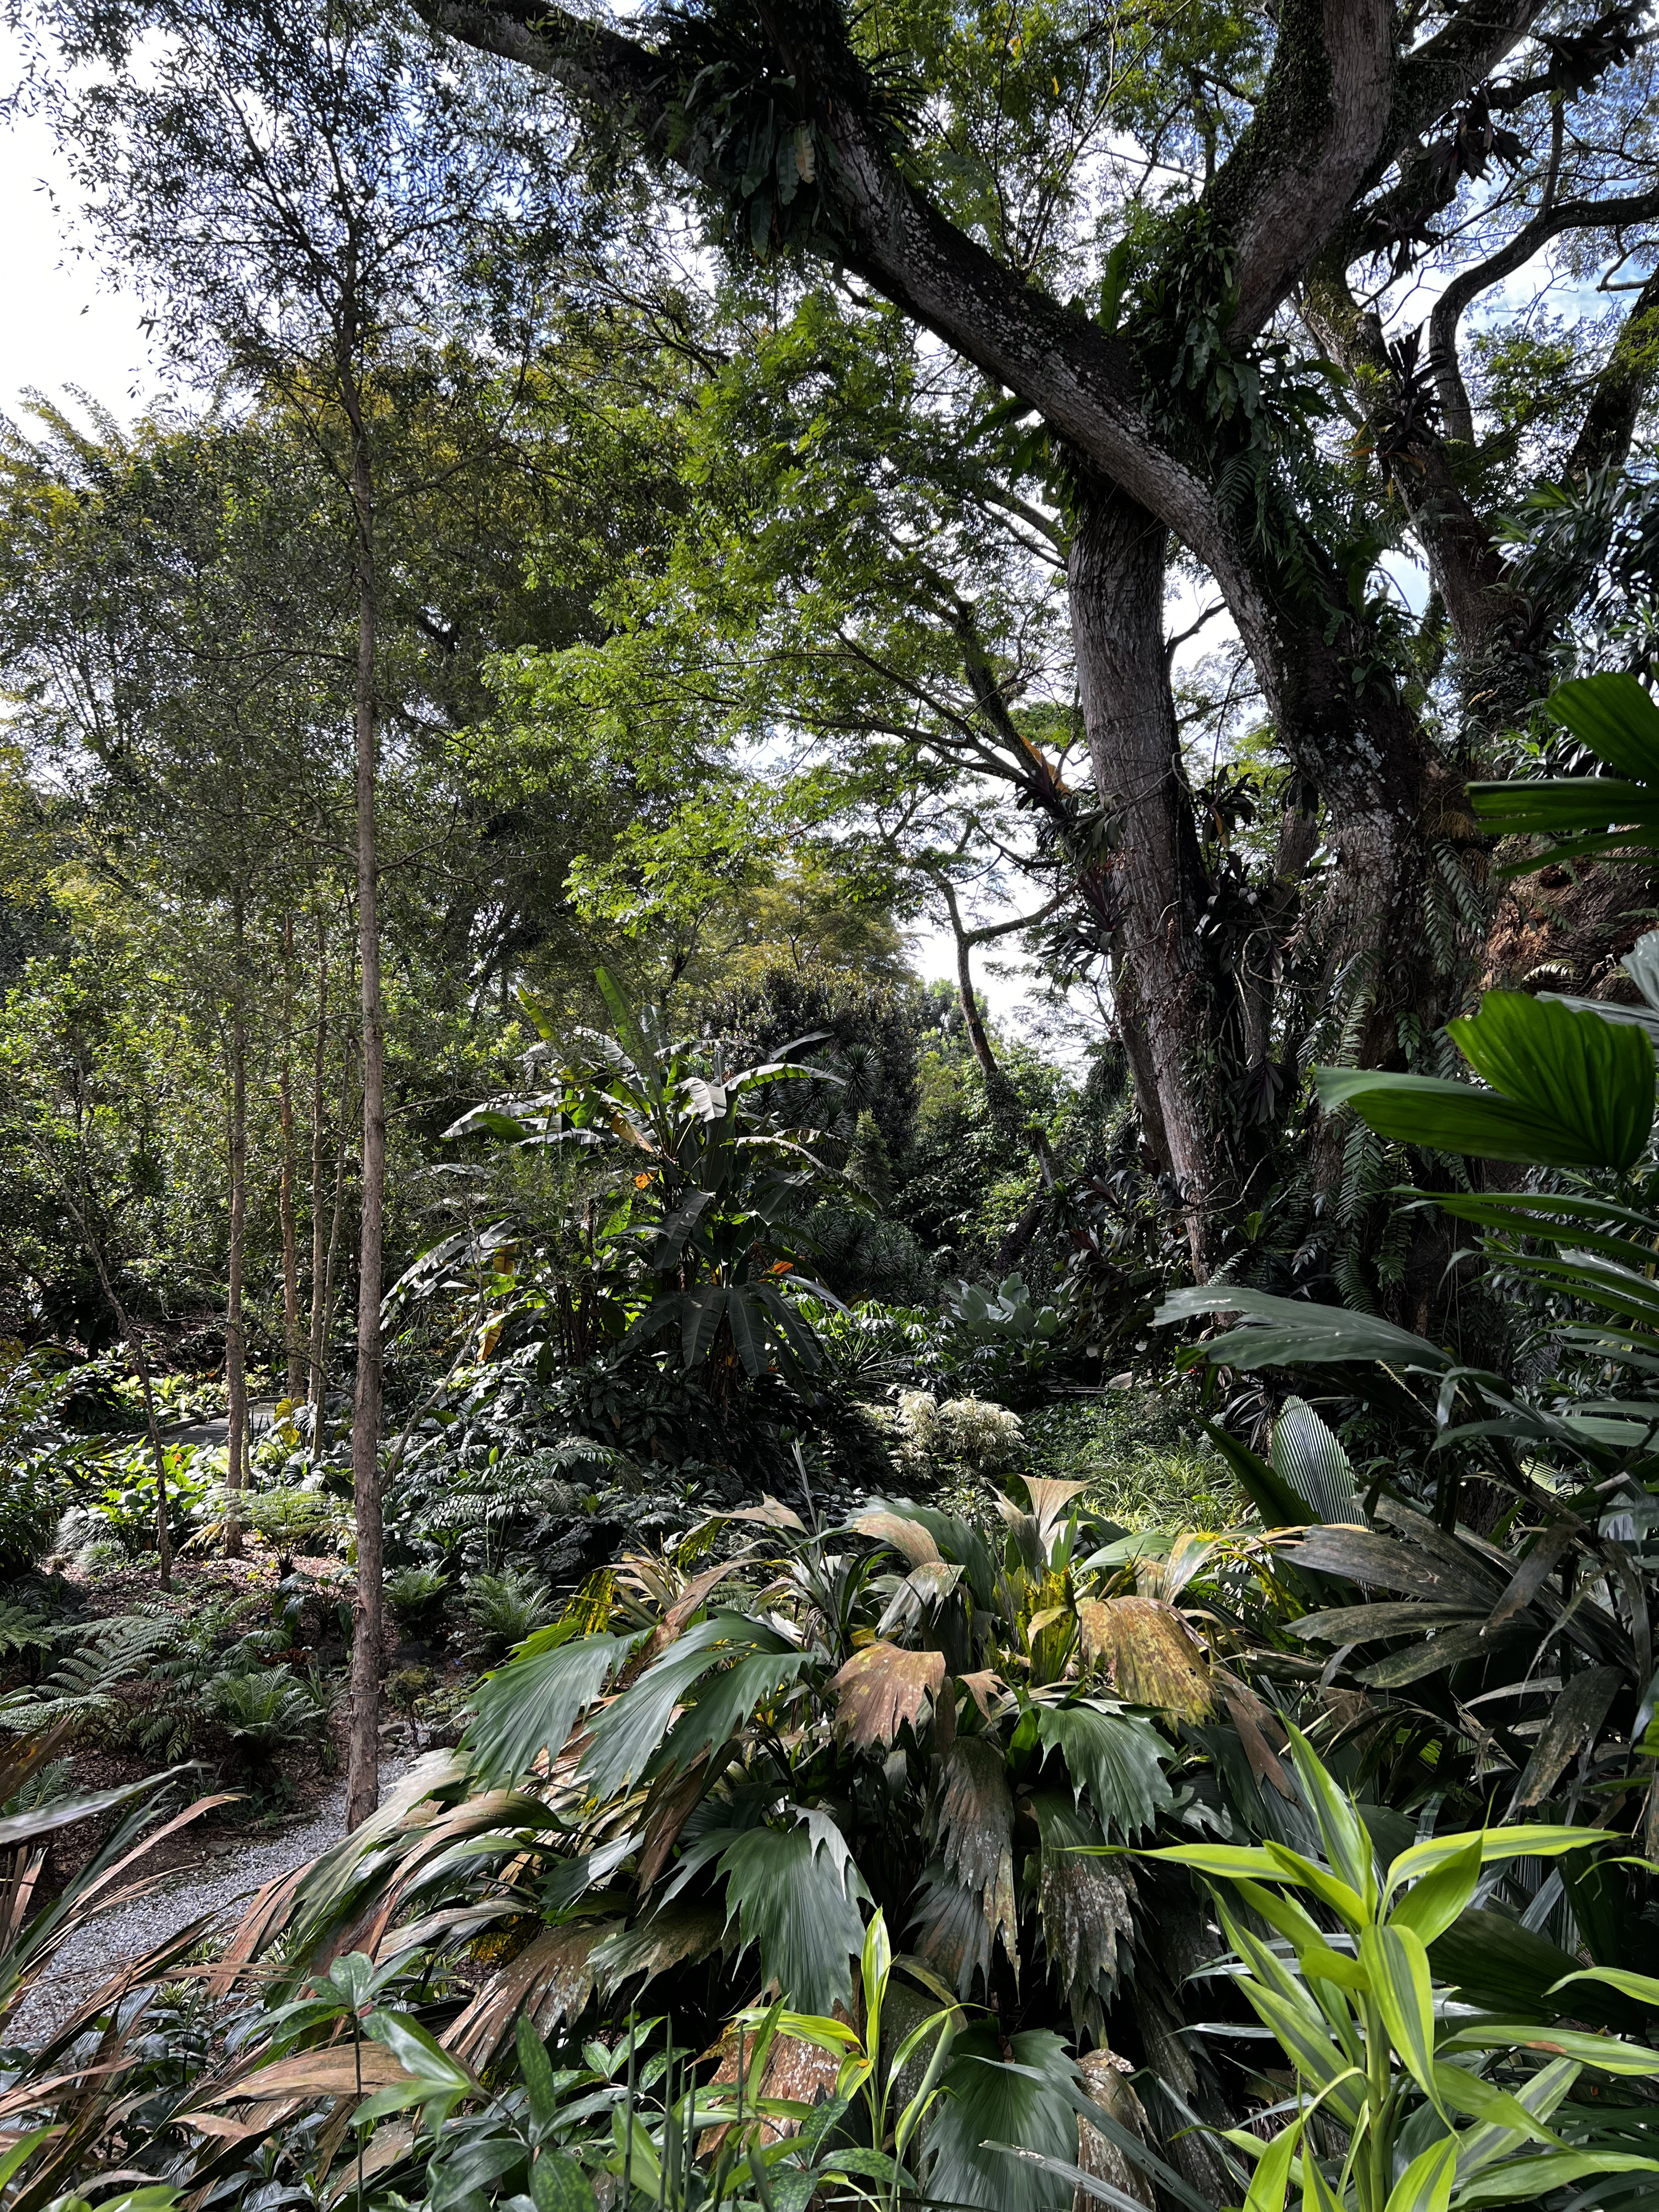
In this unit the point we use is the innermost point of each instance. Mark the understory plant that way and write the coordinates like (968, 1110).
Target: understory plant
(699, 1214)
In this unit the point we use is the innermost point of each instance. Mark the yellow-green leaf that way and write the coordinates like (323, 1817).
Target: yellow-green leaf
(1437, 1897)
(1426, 2184)
(1399, 1969)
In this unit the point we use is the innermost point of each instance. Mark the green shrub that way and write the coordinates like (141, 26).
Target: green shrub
(265, 1713)
(417, 1595)
(506, 1607)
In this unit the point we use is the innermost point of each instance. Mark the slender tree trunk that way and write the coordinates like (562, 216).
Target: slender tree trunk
(285, 1193)
(159, 1458)
(362, 1777)
(235, 1337)
(135, 1345)
(319, 1077)
(331, 1270)
(1160, 978)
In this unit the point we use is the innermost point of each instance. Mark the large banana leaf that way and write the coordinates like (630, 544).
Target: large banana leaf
(1294, 1332)
(1569, 1089)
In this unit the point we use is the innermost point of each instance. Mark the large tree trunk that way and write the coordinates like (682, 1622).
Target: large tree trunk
(285, 1192)
(362, 1777)
(1166, 994)
(235, 1335)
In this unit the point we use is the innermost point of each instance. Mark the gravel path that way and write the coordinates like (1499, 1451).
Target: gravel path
(221, 1887)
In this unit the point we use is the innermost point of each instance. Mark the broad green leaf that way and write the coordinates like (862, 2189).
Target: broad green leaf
(1290, 1332)
(1438, 1896)
(1524, 2179)
(1117, 1757)
(1347, 1844)
(1608, 2052)
(1497, 1844)
(24, 2148)
(1465, 2091)
(1304, 2037)
(1319, 1961)
(1426, 2184)
(418, 2051)
(1280, 1911)
(1615, 716)
(1278, 1502)
(793, 1893)
(1227, 1862)
(1030, 2103)
(1399, 1969)
(1272, 2178)
(728, 1701)
(1569, 1088)
(1342, 1898)
(626, 1736)
(536, 2072)
(557, 2184)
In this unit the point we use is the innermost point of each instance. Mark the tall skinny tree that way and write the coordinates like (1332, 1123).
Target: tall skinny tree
(305, 194)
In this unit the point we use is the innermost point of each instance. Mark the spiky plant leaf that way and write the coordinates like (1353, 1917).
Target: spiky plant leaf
(529, 1706)
(627, 1734)
(795, 1893)
(729, 1702)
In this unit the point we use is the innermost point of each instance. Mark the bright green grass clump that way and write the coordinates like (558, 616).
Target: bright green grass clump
(1140, 1453)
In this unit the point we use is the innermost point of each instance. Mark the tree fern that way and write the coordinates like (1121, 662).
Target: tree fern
(82, 1687)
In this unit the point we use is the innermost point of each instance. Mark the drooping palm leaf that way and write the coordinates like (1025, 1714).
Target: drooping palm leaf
(1117, 1757)
(529, 1707)
(1290, 1332)
(994, 2107)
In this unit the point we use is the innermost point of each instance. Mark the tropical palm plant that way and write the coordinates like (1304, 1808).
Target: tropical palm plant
(1529, 1652)
(707, 1188)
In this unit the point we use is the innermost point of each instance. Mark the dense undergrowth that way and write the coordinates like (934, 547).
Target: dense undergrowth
(893, 1761)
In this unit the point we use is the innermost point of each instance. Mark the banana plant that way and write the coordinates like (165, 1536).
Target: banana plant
(708, 1187)
(1403, 2100)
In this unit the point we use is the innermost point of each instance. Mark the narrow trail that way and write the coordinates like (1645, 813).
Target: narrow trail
(222, 1886)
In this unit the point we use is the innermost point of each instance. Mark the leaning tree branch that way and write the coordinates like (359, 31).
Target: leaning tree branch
(1085, 381)
(1307, 149)
(1609, 424)
(1449, 308)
